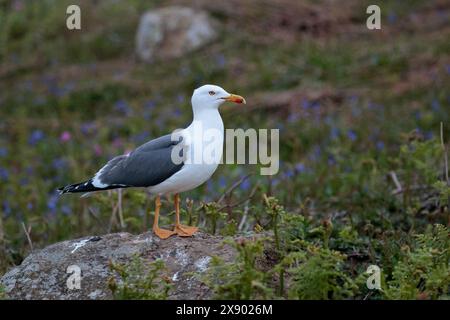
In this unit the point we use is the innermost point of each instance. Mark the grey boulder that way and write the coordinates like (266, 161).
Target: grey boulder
(172, 32)
(45, 274)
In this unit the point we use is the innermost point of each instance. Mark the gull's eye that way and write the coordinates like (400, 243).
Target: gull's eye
(211, 93)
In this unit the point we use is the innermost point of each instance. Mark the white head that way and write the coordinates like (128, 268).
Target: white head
(211, 97)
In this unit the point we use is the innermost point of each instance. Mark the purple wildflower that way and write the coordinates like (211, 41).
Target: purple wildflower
(52, 202)
(6, 208)
(177, 112)
(141, 137)
(35, 137)
(67, 210)
(87, 127)
(59, 163)
(65, 136)
(316, 153)
(245, 185)
(4, 174)
(18, 5)
(220, 60)
(150, 104)
(435, 105)
(98, 150)
(289, 173)
(3, 152)
(392, 17)
(293, 117)
(354, 99)
(331, 160)
(334, 134)
(209, 186)
(180, 98)
(222, 182)
(380, 145)
(29, 170)
(122, 107)
(117, 142)
(300, 167)
(351, 134)
(305, 104)
(315, 105)
(24, 181)
(418, 115)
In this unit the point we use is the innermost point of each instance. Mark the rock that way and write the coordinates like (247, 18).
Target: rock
(44, 274)
(171, 32)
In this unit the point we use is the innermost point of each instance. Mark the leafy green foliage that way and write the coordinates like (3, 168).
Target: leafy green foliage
(213, 215)
(309, 262)
(444, 191)
(423, 271)
(318, 273)
(243, 279)
(139, 280)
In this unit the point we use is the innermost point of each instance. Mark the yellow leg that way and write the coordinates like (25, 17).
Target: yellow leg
(162, 233)
(181, 230)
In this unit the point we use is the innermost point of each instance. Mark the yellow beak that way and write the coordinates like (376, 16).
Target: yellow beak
(235, 98)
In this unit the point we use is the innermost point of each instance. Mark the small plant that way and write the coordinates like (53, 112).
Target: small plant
(139, 281)
(240, 280)
(444, 191)
(230, 228)
(189, 211)
(275, 211)
(213, 214)
(318, 273)
(423, 272)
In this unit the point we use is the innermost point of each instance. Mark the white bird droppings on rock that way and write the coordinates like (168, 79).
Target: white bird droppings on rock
(182, 256)
(78, 245)
(94, 295)
(202, 263)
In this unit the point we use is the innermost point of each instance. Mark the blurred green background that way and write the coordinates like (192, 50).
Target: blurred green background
(354, 107)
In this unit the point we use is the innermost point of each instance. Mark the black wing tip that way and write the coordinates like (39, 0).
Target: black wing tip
(65, 189)
(77, 187)
(87, 186)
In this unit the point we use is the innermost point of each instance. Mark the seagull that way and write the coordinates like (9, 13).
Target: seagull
(168, 165)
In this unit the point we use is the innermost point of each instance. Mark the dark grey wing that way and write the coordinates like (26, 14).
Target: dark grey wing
(158, 143)
(146, 166)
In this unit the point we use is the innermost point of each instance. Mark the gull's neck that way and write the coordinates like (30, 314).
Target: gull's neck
(206, 119)
(209, 117)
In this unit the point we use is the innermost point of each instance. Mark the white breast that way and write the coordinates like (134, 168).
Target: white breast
(198, 166)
